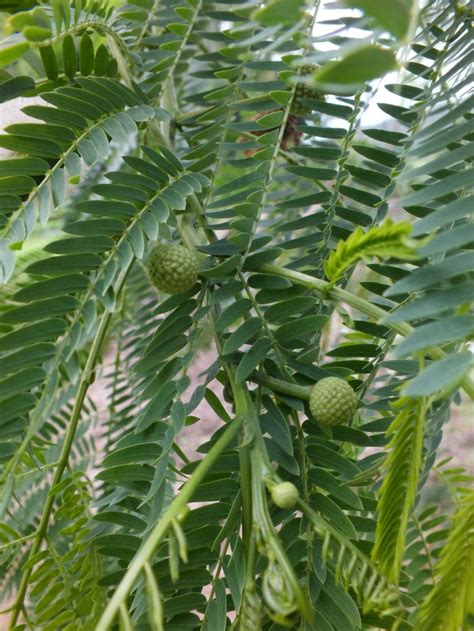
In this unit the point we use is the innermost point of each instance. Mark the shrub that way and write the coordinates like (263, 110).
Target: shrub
(305, 240)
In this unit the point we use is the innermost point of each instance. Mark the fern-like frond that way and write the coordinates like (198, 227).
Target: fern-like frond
(452, 598)
(351, 566)
(83, 122)
(388, 240)
(65, 580)
(399, 487)
(32, 483)
(43, 27)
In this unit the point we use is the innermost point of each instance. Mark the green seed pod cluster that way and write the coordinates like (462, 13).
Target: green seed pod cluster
(285, 495)
(172, 268)
(332, 401)
(304, 91)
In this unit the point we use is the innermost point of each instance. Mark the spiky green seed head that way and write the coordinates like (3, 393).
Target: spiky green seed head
(172, 268)
(285, 494)
(332, 401)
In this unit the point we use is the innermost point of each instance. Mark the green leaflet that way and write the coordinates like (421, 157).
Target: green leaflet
(393, 17)
(448, 329)
(356, 67)
(280, 12)
(439, 375)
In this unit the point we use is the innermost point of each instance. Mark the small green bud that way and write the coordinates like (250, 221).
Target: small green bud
(285, 494)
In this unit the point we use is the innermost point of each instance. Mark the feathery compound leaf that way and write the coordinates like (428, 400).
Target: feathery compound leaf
(68, 577)
(399, 487)
(452, 597)
(352, 567)
(389, 239)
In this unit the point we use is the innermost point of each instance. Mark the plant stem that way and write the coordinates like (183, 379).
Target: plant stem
(66, 448)
(246, 494)
(278, 385)
(328, 292)
(244, 410)
(16, 542)
(161, 527)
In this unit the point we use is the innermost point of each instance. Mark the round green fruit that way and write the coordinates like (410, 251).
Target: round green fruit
(172, 268)
(332, 401)
(285, 494)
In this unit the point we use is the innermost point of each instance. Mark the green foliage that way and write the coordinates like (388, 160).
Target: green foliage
(278, 12)
(358, 66)
(399, 487)
(454, 574)
(146, 438)
(65, 582)
(395, 17)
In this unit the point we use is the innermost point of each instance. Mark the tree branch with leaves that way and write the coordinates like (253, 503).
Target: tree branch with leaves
(206, 180)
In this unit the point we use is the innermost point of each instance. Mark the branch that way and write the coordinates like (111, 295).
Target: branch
(278, 385)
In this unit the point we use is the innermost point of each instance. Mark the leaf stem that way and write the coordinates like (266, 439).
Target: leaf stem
(15, 542)
(278, 385)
